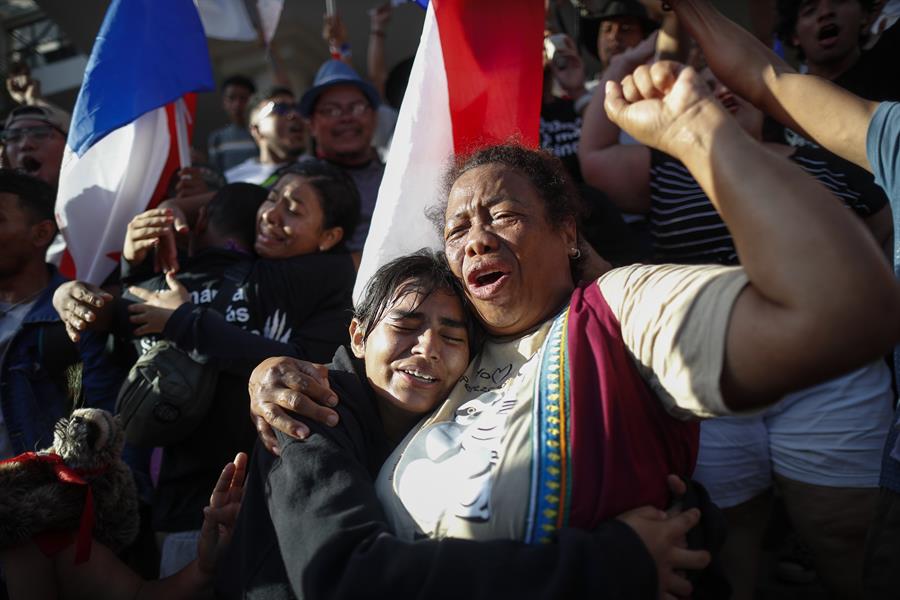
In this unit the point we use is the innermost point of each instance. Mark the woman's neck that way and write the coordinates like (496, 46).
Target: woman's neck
(396, 422)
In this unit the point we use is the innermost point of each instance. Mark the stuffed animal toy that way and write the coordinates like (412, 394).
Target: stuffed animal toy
(78, 486)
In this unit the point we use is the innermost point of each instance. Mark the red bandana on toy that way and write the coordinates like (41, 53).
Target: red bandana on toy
(53, 542)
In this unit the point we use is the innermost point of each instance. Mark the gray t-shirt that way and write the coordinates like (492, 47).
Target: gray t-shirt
(368, 180)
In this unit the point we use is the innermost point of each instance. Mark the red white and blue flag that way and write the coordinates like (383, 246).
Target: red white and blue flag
(476, 80)
(130, 128)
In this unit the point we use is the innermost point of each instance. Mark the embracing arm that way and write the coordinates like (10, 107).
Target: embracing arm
(836, 118)
(346, 550)
(197, 328)
(821, 298)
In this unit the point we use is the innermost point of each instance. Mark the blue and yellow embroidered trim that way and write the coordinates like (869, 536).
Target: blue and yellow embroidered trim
(551, 465)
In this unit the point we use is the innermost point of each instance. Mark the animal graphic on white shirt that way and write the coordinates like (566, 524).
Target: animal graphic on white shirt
(458, 461)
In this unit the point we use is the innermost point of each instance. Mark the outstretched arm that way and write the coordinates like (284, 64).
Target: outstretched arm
(320, 488)
(821, 299)
(620, 171)
(835, 118)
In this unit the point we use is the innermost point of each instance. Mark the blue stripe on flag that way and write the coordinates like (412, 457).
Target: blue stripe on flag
(422, 3)
(148, 53)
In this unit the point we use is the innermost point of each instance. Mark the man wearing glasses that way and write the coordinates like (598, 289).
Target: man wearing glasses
(280, 133)
(34, 139)
(341, 107)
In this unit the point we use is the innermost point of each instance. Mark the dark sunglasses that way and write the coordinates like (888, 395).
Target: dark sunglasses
(278, 108)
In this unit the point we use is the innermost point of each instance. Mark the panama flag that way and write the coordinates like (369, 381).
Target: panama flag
(130, 128)
(476, 80)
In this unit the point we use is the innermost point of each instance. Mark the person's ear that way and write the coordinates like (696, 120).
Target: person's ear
(42, 233)
(570, 232)
(357, 339)
(255, 134)
(330, 238)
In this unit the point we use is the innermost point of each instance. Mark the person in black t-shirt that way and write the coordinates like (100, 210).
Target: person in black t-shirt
(829, 37)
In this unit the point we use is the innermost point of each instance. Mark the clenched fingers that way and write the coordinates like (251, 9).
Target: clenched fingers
(644, 84)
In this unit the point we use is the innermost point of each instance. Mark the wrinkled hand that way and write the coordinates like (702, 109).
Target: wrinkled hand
(664, 536)
(221, 514)
(380, 16)
(190, 182)
(153, 314)
(333, 31)
(146, 231)
(665, 105)
(280, 383)
(82, 307)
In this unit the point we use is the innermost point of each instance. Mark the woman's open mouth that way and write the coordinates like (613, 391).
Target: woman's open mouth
(484, 283)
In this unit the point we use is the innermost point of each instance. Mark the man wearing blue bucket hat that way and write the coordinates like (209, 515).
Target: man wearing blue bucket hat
(341, 107)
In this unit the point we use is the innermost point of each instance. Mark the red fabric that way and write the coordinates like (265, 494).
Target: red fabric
(622, 441)
(173, 162)
(492, 56)
(67, 265)
(53, 542)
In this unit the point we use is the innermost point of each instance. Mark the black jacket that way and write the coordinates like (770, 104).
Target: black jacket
(316, 507)
(297, 307)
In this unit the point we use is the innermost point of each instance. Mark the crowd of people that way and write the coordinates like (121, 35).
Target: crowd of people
(635, 344)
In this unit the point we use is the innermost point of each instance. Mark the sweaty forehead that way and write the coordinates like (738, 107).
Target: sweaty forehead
(486, 185)
(289, 184)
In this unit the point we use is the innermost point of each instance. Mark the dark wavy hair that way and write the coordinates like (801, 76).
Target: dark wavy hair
(232, 211)
(545, 172)
(423, 272)
(338, 195)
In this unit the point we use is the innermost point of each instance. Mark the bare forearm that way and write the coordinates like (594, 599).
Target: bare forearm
(822, 297)
(832, 116)
(762, 196)
(375, 61)
(599, 152)
(673, 41)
